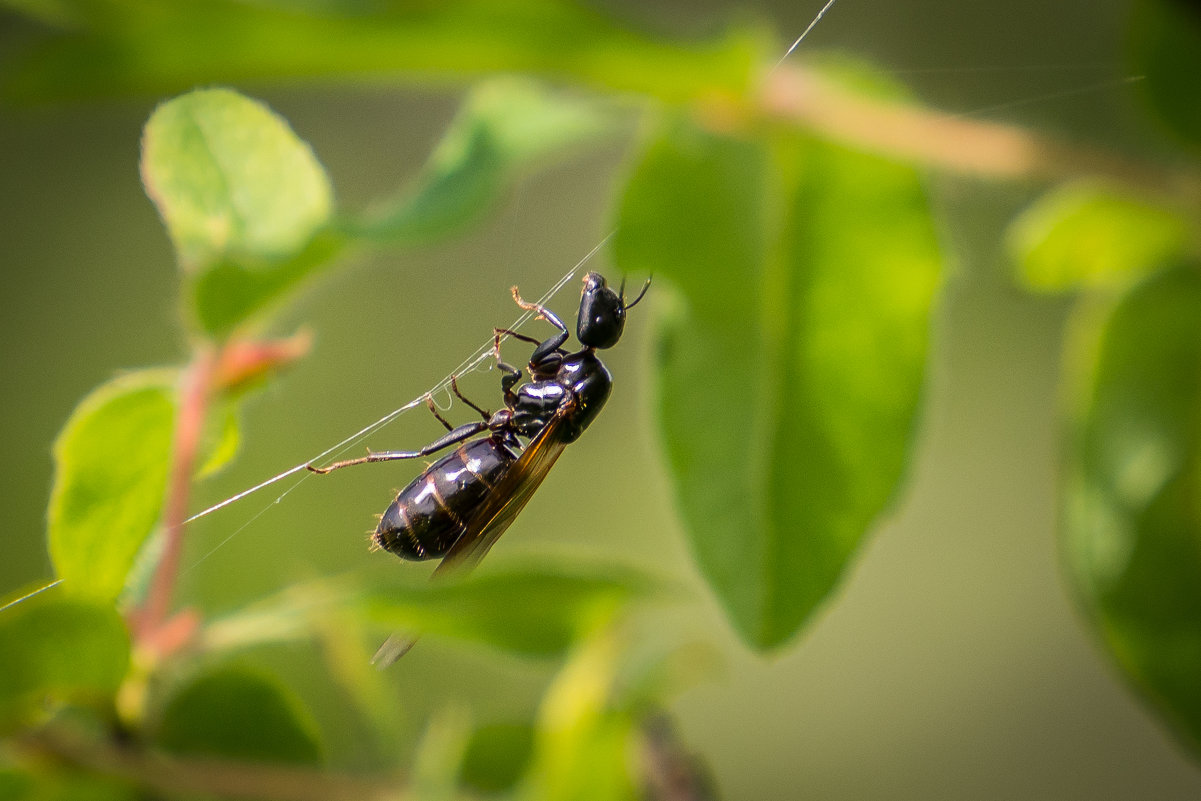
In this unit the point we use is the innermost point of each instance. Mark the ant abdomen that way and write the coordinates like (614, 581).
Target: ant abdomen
(430, 514)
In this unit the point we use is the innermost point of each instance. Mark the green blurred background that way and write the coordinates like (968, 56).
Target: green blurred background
(952, 663)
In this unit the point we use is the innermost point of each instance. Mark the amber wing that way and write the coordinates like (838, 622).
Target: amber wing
(507, 499)
(492, 519)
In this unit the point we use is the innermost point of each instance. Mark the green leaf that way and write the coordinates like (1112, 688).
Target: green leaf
(41, 783)
(59, 649)
(251, 248)
(497, 756)
(438, 758)
(220, 439)
(1132, 502)
(1085, 235)
(583, 741)
(244, 199)
(111, 465)
(291, 614)
(15, 785)
(504, 125)
(1165, 51)
(186, 43)
(58, 13)
(234, 713)
(531, 611)
(231, 180)
(229, 293)
(791, 358)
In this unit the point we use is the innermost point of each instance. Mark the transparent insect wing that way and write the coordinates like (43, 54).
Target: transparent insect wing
(507, 499)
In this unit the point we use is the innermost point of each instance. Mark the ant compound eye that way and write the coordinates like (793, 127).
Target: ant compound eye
(602, 315)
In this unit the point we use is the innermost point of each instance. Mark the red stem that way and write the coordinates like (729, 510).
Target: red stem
(194, 399)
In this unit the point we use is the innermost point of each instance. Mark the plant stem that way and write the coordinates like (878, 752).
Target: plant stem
(194, 397)
(956, 144)
(210, 777)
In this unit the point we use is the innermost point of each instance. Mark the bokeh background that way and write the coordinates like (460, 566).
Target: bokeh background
(952, 663)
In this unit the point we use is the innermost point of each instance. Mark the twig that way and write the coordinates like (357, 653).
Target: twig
(953, 143)
(669, 772)
(195, 391)
(174, 775)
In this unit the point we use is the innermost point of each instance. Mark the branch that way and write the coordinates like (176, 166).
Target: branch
(238, 365)
(195, 391)
(957, 144)
(669, 772)
(172, 775)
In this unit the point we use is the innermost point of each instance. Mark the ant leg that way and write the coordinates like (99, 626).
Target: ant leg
(542, 361)
(548, 346)
(511, 375)
(509, 380)
(496, 333)
(454, 384)
(454, 437)
(542, 311)
(429, 402)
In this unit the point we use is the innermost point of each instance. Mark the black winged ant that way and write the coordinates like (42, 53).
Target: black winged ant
(461, 504)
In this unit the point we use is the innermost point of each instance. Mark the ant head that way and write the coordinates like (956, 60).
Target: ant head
(602, 315)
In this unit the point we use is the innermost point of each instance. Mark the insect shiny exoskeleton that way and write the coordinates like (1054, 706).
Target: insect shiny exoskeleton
(461, 504)
(430, 514)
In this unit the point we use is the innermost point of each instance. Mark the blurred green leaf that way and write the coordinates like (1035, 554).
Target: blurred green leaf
(1165, 51)
(537, 610)
(59, 649)
(582, 749)
(248, 240)
(125, 47)
(111, 464)
(220, 439)
(791, 359)
(504, 125)
(497, 756)
(231, 180)
(346, 647)
(1132, 503)
(227, 294)
(532, 611)
(15, 785)
(439, 756)
(61, 13)
(43, 784)
(234, 713)
(1084, 235)
(288, 615)
(244, 199)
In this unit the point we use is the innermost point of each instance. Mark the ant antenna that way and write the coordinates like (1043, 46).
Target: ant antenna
(634, 303)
